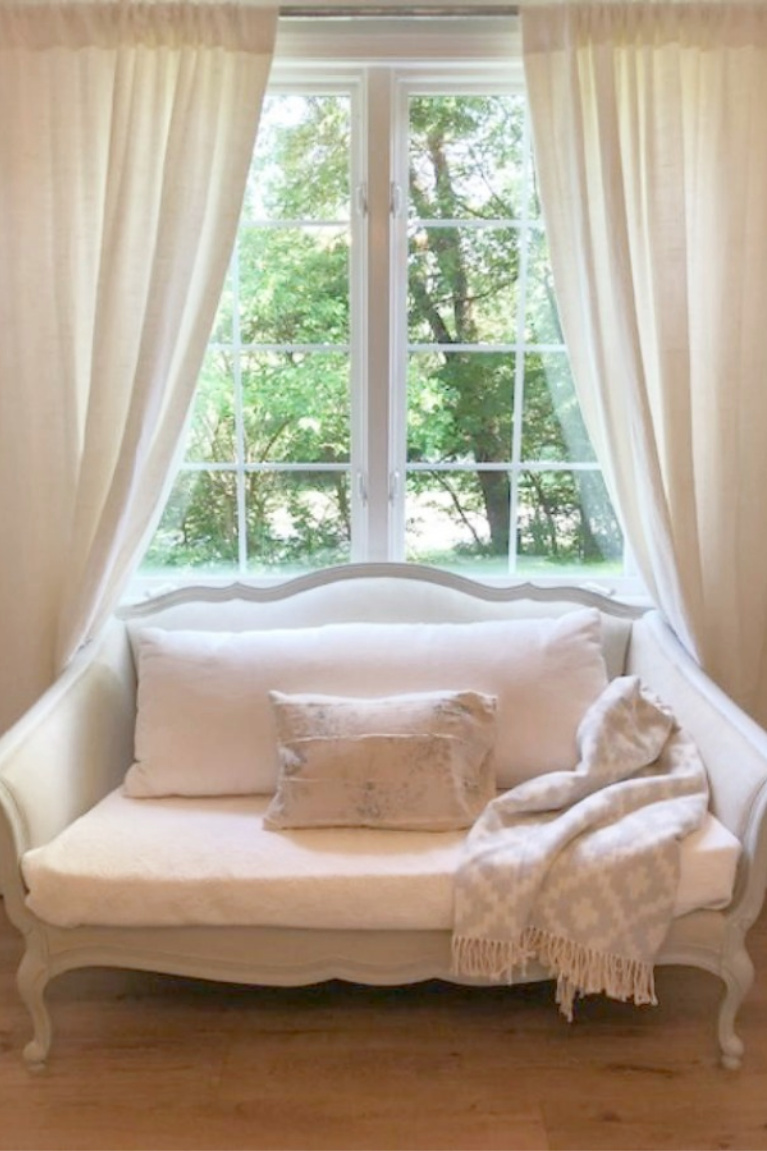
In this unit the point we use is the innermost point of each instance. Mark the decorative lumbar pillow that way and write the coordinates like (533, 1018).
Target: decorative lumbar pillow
(420, 762)
(205, 725)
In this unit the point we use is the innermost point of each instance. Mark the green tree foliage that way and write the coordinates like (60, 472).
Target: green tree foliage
(289, 285)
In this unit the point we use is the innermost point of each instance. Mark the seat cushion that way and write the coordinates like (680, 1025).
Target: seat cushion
(185, 861)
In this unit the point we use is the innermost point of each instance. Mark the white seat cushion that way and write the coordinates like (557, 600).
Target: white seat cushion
(183, 861)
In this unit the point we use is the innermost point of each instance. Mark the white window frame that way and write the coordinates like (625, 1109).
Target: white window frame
(379, 63)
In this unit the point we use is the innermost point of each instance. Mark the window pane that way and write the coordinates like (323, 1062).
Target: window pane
(198, 530)
(297, 520)
(541, 318)
(458, 519)
(294, 285)
(460, 406)
(565, 521)
(300, 135)
(223, 327)
(463, 285)
(534, 200)
(211, 437)
(553, 427)
(296, 407)
(466, 157)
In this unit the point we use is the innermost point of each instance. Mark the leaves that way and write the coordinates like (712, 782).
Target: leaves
(293, 285)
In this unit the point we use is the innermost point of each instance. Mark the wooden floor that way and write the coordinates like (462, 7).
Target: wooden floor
(148, 1062)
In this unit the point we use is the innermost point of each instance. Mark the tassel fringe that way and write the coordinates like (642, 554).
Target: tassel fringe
(579, 970)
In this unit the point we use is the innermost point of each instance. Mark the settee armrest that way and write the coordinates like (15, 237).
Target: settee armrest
(732, 745)
(71, 748)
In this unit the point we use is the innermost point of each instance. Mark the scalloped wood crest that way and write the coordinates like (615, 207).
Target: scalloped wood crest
(405, 572)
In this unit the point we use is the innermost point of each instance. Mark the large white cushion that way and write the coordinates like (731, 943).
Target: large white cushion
(205, 726)
(171, 862)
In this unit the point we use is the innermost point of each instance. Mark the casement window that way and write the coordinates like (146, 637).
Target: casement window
(386, 378)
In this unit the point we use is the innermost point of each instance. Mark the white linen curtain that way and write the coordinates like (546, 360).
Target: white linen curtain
(651, 153)
(126, 132)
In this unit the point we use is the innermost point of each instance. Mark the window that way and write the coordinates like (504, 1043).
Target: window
(386, 377)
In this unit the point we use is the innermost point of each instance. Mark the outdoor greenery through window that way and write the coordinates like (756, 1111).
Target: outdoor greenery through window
(265, 485)
(489, 467)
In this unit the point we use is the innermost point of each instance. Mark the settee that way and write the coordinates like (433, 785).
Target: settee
(105, 862)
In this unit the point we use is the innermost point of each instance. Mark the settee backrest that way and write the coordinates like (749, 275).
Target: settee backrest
(76, 743)
(359, 593)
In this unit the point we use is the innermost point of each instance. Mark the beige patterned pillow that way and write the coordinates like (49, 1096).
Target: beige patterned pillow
(421, 761)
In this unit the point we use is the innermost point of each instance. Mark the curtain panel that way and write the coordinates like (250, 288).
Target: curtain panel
(126, 133)
(648, 125)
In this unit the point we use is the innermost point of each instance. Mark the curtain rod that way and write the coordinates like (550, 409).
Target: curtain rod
(303, 11)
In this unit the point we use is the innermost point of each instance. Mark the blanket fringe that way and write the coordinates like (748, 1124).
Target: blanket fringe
(579, 970)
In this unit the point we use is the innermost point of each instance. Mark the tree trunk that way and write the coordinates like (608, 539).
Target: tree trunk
(496, 495)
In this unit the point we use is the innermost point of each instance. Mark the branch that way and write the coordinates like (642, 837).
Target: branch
(431, 314)
(447, 487)
(534, 480)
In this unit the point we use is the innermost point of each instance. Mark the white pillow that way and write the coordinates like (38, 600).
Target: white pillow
(420, 762)
(205, 724)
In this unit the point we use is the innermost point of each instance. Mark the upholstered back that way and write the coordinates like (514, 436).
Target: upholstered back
(377, 594)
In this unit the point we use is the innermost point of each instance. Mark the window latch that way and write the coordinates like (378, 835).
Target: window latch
(361, 198)
(395, 200)
(394, 483)
(362, 488)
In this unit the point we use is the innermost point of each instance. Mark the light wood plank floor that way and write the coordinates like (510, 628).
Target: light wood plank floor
(147, 1062)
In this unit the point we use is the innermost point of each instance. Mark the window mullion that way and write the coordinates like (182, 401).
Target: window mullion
(519, 366)
(399, 193)
(358, 249)
(239, 419)
(379, 424)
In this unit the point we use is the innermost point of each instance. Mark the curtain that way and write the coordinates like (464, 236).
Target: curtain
(126, 133)
(649, 135)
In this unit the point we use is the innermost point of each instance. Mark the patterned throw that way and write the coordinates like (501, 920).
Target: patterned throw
(579, 870)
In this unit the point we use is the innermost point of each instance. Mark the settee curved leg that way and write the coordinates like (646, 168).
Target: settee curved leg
(738, 976)
(31, 979)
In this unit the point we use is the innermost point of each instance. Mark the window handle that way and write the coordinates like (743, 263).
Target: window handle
(394, 486)
(395, 200)
(362, 488)
(361, 198)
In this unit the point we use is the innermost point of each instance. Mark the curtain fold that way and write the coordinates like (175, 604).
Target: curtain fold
(126, 133)
(648, 127)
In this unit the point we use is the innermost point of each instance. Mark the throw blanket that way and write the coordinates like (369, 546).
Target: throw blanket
(579, 869)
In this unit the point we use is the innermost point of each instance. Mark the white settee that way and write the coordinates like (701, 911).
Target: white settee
(196, 886)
